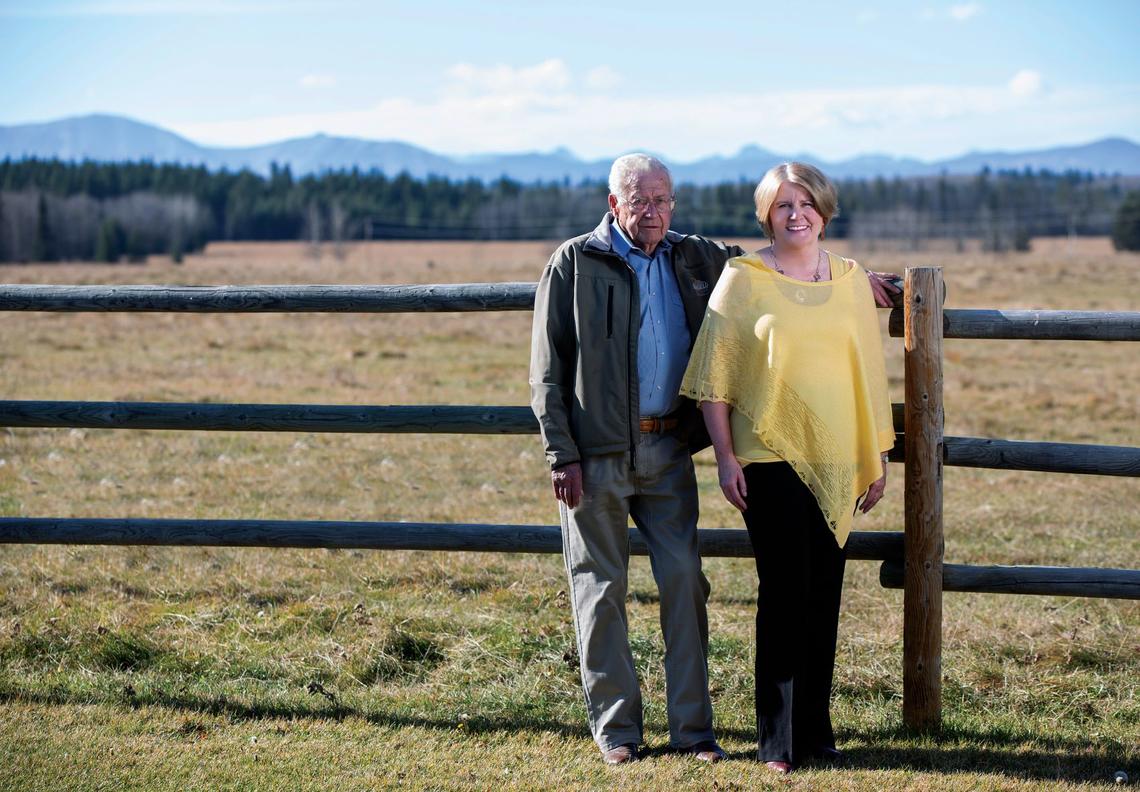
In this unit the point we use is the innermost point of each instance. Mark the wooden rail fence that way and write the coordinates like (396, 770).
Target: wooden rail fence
(914, 563)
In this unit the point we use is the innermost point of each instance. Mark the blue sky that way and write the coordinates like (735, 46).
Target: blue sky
(685, 80)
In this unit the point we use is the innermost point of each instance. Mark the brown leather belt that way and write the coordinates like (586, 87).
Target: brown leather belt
(657, 425)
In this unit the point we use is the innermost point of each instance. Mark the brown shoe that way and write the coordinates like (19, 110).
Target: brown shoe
(783, 768)
(620, 755)
(707, 752)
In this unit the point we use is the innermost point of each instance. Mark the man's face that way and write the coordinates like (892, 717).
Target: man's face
(647, 225)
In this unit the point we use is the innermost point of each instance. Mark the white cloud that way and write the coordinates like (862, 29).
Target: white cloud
(602, 78)
(1025, 83)
(317, 81)
(964, 11)
(503, 80)
(545, 106)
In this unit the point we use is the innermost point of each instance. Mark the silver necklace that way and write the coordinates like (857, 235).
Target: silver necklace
(816, 278)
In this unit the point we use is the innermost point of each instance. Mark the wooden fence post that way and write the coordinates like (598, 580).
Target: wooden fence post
(922, 582)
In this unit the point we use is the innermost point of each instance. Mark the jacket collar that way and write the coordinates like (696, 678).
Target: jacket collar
(600, 239)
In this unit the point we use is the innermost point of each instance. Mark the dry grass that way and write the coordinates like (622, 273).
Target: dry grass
(154, 668)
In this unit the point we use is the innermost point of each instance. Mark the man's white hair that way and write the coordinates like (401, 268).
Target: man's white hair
(628, 169)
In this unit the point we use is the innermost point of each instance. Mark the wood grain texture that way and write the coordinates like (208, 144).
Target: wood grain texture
(1055, 581)
(714, 542)
(455, 297)
(485, 419)
(1100, 460)
(271, 299)
(475, 419)
(426, 419)
(1039, 325)
(922, 598)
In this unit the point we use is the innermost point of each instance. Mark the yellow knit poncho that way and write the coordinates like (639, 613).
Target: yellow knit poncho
(804, 362)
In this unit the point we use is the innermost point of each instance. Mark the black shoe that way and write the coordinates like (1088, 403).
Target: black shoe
(830, 754)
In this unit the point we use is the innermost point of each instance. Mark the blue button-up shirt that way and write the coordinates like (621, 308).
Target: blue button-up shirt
(663, 340)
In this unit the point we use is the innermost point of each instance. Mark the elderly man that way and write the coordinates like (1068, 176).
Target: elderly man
(615, 315)
(614, 318)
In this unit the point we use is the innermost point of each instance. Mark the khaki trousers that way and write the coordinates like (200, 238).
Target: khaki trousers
(661, 497)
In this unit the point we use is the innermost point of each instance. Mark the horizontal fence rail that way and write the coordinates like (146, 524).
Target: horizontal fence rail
(714, 542)
(420, 419)
(311, 298)
(1033, 325)
(1057, 581)
(271, 299)
(458, 419)
(517, 296)
(1100, 460)
(391, 419)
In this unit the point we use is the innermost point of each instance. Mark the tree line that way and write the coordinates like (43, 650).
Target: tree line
(51, 209)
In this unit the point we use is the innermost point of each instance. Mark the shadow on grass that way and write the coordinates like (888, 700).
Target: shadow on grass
(1004, 752)
(1010, 753)
(325, 707)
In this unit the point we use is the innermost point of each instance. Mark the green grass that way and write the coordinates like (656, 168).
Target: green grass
(213, 668)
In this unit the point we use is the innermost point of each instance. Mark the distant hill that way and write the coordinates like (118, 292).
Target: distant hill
(114, 138)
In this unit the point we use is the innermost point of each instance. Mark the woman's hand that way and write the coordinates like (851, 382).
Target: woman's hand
(874, 492)
(883, 288)
(732, 484)
(728, 468)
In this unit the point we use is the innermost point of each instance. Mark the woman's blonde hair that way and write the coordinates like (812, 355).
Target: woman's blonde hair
(818, 186)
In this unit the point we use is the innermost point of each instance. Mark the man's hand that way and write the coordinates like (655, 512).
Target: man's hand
(882, 288)
(567, 483)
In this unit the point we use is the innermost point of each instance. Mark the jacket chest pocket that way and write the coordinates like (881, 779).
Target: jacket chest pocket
(610, 311)
(601, 308)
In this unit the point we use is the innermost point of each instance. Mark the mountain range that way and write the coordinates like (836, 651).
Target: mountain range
(116, 138)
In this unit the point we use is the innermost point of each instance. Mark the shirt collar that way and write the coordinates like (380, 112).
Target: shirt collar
(624, 247)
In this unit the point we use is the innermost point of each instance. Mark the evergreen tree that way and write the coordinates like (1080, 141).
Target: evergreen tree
(1004, 209)
(136, 248)
(1126, 228)
(43, 245)
(109, 242)
(177, 245)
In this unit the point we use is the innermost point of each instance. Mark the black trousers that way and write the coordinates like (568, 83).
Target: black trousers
(800, 570)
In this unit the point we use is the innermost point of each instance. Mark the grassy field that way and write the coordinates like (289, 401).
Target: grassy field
(204, 668)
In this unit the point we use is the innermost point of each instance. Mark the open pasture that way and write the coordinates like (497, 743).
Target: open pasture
(204, 668)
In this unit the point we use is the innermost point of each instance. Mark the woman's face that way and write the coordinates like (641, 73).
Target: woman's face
(793, 218)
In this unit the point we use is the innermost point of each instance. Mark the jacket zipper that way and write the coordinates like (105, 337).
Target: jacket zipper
(630, 366)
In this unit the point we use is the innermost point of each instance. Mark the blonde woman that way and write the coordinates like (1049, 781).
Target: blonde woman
(788, 369)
